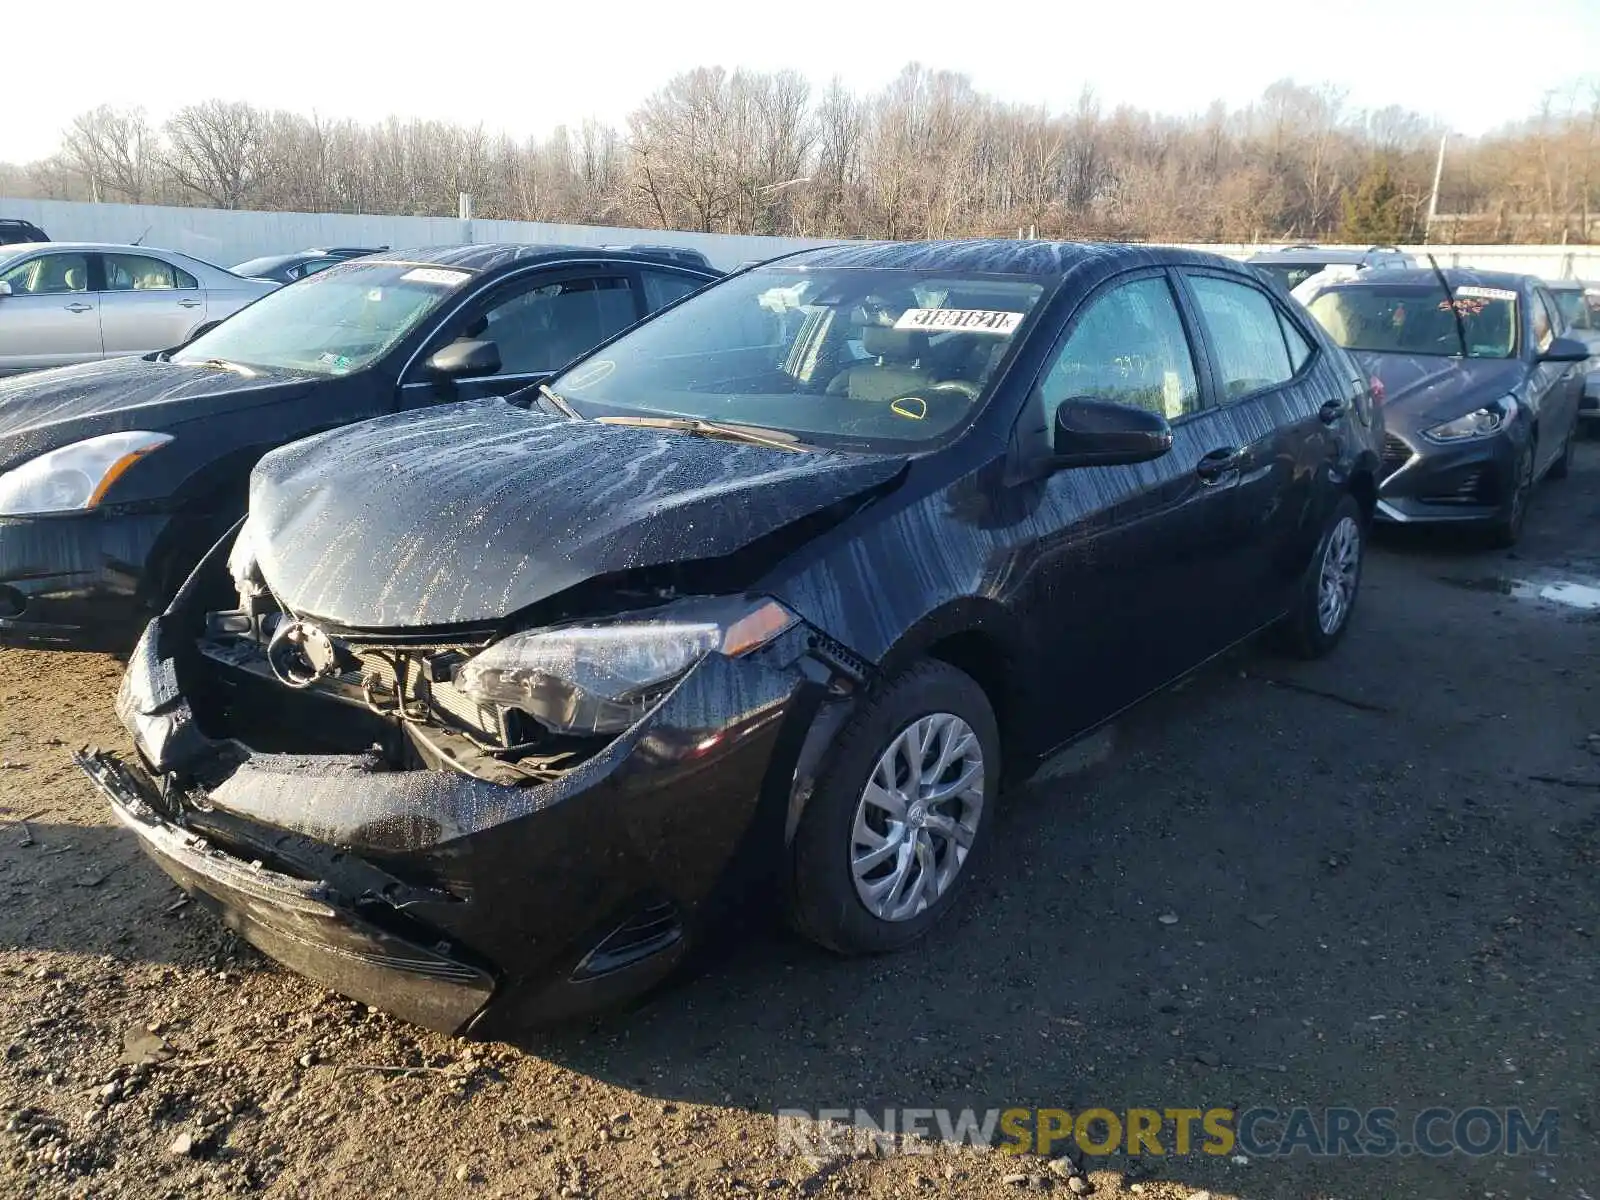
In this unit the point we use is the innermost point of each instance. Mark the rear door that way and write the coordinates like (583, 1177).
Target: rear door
(1275, 427)
(52, 317)
(147, 304)
(539, 322)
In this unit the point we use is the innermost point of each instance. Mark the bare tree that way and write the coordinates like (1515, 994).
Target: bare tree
(216, 149)
(113, 150)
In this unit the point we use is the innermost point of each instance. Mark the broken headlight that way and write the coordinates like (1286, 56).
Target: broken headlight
(602, 677)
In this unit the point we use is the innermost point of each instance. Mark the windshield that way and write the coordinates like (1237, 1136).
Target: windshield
(850, 359)
(331, 323)
(1580, 309)
(1416, 319)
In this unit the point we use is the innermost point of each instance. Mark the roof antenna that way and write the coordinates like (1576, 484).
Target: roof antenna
(1450, 299)
(139, 241)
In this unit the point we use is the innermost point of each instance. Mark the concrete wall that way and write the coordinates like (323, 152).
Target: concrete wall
(225, 238)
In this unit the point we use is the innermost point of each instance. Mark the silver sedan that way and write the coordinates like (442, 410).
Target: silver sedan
(72, 302)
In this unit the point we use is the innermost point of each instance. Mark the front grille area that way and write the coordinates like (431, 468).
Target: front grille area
(381, 668)
(1396, 454)
(1475, 486)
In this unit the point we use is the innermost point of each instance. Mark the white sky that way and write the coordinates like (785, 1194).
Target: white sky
(525, 66)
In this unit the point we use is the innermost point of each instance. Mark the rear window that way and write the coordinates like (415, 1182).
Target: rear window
(1417, 319)
(1291, 275)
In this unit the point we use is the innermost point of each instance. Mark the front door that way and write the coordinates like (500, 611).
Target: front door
(51, 318)
(539, 322)
(1121, 590)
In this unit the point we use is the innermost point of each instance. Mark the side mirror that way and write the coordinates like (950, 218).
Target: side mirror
(1099, 433)
(5, 288)
(1561, 350)
(464, 358)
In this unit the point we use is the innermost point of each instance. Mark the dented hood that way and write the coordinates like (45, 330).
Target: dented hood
(469, 512)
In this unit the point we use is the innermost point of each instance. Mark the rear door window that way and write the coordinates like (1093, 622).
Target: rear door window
(138, 273)
(1246, 334)
(661, 288)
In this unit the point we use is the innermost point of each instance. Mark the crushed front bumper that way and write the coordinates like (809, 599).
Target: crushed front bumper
(462, 905)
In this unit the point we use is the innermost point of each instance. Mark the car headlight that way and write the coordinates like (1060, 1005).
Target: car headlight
(75, 476)
(1480, 422)
(602, 677)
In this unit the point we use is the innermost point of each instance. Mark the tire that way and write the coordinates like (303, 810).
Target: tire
(1312, 629)
(826, 899)
(1562, 467)
(1504, 530)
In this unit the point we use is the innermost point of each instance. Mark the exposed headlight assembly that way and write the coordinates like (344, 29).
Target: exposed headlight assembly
(1481, 422)
(602, 677)
(76, 476)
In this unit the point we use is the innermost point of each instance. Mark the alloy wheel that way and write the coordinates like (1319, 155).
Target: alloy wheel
(1341, 567)
(917, 817)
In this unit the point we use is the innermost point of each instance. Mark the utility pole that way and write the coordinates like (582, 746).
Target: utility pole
(1433, 199)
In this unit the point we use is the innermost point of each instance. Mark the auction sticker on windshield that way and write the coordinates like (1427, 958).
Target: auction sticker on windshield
(962, 320)
(1484, 293)
(435, 275)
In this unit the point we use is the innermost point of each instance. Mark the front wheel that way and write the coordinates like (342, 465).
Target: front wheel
(1327, 596)
(898, 822)
(1506, 529)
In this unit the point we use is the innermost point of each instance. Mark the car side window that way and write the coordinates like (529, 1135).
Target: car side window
(1299, 348)
(1129, 347)
(661, 288)
(546, 326)
(1544, 324)
(136, 273)
(49, 275)
(1246, 333)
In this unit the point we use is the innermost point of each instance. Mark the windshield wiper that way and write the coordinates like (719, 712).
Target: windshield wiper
(224, 365)
(567, 409)
(715, 429)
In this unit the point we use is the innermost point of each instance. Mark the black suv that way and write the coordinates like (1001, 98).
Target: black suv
(115, 476)
(14, 231)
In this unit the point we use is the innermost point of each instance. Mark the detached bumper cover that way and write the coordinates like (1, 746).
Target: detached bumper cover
(472, 903)
(308, 926)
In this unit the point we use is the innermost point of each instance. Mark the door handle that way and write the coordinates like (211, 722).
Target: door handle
(1218, 463)
(188, 304)
(80, 308)
(1331, 412)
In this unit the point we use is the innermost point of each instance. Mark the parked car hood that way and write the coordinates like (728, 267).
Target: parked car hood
(1427, 388)
(46, 409)
(470, 512)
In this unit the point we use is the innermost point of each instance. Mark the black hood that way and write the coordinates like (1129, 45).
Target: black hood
(46, 409)
(1424, 389)
(470, 512)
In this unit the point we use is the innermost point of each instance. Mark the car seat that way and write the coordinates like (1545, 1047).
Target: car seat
(896, 368)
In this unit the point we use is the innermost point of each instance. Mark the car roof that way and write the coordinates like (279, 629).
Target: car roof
(1457, 277)
(113, 247)
(1308, 255)
(1001, 256)
(489, 256)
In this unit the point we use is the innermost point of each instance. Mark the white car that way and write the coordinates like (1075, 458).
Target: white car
(73, 302)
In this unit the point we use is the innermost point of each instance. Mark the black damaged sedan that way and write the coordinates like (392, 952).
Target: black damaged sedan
(1481, 390)
(488, 714)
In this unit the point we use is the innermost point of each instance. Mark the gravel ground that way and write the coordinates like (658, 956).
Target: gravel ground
(1371, 881)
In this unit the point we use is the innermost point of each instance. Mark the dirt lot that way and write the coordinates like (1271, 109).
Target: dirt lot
(1381, 899)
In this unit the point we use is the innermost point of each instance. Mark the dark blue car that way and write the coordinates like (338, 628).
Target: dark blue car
(1481, 389)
